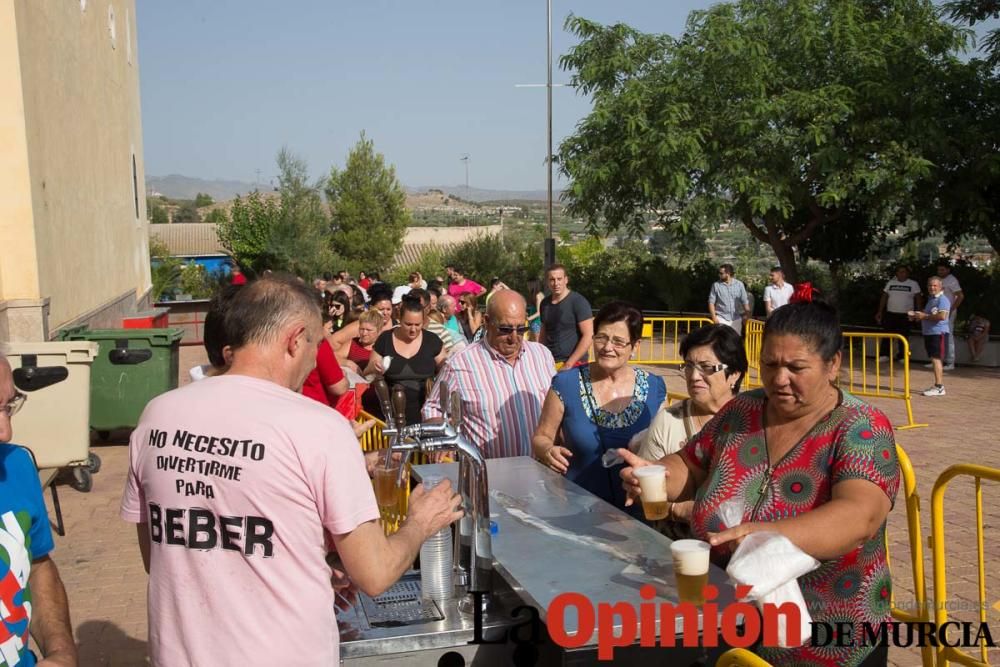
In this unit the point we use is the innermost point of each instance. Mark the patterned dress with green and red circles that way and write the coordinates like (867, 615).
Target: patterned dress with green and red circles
(855, 441)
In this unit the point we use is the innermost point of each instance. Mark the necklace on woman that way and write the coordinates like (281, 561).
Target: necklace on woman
(609, 390)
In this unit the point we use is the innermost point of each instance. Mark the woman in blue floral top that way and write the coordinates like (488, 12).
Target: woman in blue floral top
(600, 406)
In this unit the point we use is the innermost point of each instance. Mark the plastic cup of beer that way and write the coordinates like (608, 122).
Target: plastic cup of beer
(653, 491)
(387, 491)
(690, 569)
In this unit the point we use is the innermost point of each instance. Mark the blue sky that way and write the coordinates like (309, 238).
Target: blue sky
(227, 83)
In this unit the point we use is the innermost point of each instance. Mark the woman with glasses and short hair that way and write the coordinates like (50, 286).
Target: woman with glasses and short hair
(600, 406)
(714, 366)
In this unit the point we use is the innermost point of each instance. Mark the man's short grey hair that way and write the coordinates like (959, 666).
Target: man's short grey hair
(935, 279)
(261, 309)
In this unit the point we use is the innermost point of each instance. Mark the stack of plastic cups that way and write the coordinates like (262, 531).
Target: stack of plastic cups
(436, 558)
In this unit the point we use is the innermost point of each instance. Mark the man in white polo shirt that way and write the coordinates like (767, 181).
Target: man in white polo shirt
(900, 296)
(778, 292)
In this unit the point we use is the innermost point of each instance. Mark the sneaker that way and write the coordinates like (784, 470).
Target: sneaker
(948, 367)
(929, 365)
(883, 358)
(934, 391)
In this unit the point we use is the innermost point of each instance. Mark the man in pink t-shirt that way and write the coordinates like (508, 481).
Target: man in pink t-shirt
(238, 485)
(461, 285)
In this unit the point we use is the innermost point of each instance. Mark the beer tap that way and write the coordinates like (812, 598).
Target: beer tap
(473, 543)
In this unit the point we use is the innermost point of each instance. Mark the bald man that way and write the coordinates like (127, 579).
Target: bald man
(239, 486)
(32, 595)
(502, 380)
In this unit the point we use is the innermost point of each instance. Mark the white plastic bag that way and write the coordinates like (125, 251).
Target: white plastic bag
(771, 564)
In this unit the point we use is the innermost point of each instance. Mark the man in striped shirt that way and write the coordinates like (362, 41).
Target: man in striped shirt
(502, 380)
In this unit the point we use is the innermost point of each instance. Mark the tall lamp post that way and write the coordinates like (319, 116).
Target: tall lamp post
(550, 241)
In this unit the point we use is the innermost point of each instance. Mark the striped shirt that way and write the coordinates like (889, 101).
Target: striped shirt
(501, 402)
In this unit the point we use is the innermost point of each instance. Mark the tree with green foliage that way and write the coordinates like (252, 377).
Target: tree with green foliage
(165, 270)
(202, 200)
(978, 11)
(368, 207)
(961, 198)
(158, 214)
(186, 212)
(301, 242)
(246, 233)
(797, 118)
(216, 215)
(290, 233)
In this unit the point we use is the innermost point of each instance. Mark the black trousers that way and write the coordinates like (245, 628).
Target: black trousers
(894, 323)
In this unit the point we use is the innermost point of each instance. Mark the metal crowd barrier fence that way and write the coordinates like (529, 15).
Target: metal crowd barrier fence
(661, 339)
(920, 613)
(866, 374)
(753, 340)
(937, 540)
(891, 379)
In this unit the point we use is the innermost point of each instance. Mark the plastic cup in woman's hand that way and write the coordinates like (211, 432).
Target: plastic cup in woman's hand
(386, 361)
(629, 481)
(611, 458)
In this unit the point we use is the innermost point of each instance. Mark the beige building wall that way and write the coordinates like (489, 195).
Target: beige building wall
(73, 240)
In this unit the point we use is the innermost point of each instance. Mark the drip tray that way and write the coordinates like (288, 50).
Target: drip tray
(400, 605)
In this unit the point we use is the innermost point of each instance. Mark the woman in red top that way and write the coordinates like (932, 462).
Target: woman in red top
(806, 460)
(356, 355)
(325, 383)
(364, 281)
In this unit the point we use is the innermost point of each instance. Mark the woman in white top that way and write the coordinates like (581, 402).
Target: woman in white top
(714, 366)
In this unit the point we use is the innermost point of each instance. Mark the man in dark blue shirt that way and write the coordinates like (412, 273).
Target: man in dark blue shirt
(31, 593)
(567, 320)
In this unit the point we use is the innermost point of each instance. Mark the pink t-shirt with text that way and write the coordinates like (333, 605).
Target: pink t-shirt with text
(240, 481)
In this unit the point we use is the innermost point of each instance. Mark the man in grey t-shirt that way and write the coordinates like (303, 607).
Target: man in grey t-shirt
(567, 320)
(728, 301)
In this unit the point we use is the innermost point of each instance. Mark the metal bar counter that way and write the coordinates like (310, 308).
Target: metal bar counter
(553, 537)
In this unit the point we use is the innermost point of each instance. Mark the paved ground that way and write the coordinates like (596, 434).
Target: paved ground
(100, 562)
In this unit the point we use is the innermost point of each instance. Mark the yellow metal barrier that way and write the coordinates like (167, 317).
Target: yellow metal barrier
(891, 379)
(661, 339)
(978, 473)
(740, 657)
(753, 340)
(921, 612)
(373, 438)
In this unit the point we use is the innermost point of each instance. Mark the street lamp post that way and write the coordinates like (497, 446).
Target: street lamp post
(550, 241)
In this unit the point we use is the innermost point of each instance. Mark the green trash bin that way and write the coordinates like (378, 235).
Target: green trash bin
(133, 366)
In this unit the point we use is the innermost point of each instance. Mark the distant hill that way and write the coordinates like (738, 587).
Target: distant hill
(177, 186)
(483, 194)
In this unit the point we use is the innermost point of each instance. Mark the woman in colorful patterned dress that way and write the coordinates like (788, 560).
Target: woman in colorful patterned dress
(600, 406)
(809, 461)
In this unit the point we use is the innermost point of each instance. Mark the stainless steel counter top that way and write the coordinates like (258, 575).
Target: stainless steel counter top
(554, 537)
(360, 640)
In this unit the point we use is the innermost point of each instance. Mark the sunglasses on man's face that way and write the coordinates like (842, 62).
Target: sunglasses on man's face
(506, 330)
